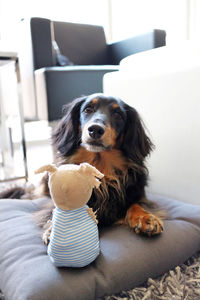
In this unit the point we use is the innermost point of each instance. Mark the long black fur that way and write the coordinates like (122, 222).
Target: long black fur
(66, 136)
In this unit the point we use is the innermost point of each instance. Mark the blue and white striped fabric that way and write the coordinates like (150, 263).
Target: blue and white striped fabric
(74, 240)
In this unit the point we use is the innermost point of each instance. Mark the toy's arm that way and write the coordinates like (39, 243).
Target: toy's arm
(92, 214)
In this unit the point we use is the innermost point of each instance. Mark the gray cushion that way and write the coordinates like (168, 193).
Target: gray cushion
(126, 260)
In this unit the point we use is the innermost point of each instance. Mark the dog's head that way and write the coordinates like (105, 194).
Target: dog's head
(101, 123)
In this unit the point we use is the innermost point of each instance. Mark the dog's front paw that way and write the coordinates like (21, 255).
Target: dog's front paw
(143, 222)
(147, 224)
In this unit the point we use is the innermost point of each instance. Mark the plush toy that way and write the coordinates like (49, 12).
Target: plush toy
(74, 240)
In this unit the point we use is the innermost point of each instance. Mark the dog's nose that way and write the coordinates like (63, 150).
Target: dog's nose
(96, 131)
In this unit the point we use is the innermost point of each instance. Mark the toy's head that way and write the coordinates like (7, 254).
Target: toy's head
(71, 185)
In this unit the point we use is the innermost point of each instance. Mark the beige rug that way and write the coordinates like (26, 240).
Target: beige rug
(181, 283)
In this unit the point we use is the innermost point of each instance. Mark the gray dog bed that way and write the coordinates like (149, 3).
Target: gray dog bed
(126, 260)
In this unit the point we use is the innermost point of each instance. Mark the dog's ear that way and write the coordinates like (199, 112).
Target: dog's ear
(66, 135)
(136, 144)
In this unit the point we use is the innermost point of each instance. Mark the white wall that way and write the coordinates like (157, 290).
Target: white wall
(180, 18)
(120, 18)
(81, 11)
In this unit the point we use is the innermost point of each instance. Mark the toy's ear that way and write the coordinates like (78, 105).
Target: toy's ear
(90, 170)
(48, 168)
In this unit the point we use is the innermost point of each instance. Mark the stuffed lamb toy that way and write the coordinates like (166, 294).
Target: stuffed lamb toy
(74, 239)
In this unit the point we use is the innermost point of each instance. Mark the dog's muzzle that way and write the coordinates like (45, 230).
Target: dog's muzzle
(93, 138)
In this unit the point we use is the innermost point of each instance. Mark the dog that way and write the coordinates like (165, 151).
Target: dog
(107, 133)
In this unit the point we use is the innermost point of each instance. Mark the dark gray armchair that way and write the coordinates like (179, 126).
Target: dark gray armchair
(87, 57)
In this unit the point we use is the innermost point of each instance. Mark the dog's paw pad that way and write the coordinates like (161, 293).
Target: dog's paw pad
(147, 224)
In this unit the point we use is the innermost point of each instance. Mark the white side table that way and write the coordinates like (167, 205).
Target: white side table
(13, 161)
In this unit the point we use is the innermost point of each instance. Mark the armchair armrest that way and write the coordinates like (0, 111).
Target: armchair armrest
(119, 50)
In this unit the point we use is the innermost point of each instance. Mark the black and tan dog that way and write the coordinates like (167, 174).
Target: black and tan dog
(108, 134)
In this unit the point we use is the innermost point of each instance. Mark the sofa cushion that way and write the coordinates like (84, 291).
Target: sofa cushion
(84, 44)
(61, 60)
(126, 259)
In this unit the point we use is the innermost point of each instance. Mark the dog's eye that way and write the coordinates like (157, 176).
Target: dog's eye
(89, 110)
(117, 115)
